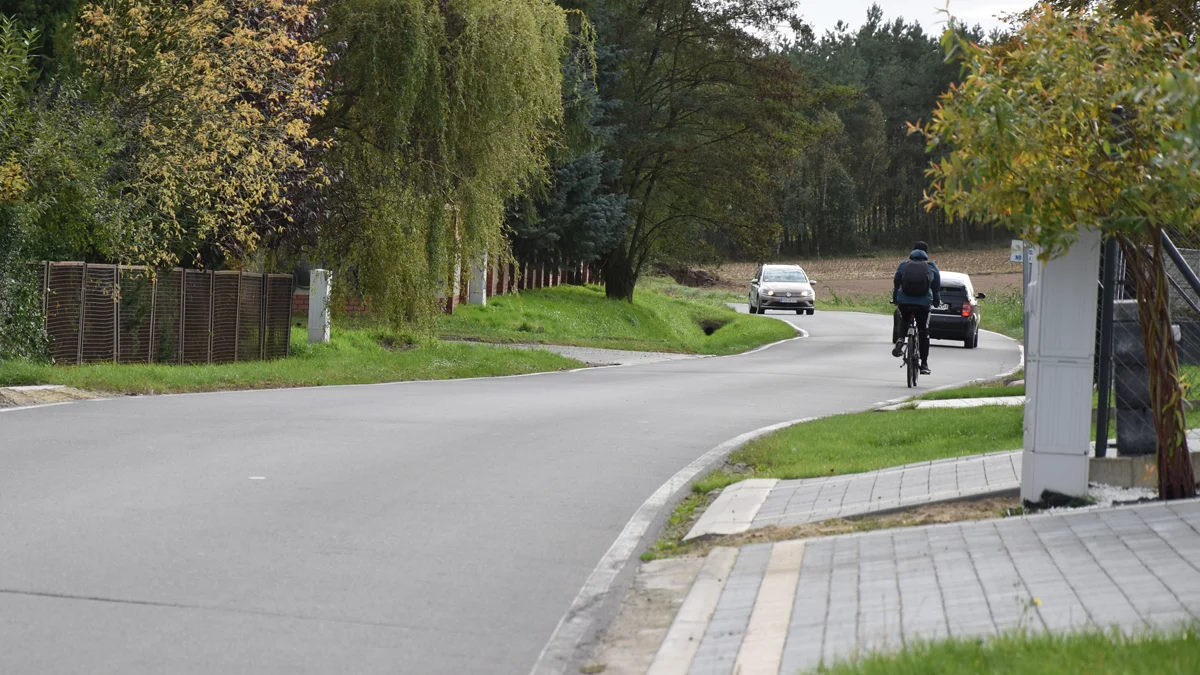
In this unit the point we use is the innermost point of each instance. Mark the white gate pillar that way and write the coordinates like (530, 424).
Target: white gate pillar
(1060, 307)
(477, 290)
(319, 286)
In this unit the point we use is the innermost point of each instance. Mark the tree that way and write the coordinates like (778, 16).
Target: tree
(891, 73)
(1086, 121)
(442, 111)
(577, 219)
(1179, 15)
(215, 98)
(706, 111)
(577, 216)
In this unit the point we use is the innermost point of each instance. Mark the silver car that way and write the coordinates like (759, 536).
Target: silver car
(782, 287)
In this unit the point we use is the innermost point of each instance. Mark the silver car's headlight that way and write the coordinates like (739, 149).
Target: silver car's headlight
(806, 294)
(769, 292)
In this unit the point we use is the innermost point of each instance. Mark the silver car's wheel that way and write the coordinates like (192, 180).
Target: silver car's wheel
(750, 302)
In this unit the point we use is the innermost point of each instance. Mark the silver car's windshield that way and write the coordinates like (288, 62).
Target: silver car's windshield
(784, 276)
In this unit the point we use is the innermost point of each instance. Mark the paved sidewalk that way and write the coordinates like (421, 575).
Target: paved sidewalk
(763, 502)
(790, 606)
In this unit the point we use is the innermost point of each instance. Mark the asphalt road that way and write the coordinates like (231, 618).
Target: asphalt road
(427, 528)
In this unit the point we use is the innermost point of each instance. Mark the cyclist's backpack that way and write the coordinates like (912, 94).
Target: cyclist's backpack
(915, 279)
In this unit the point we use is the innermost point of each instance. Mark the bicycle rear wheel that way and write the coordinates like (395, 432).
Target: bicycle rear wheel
(911, 360)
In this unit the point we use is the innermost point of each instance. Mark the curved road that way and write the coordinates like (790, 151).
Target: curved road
(430, 527)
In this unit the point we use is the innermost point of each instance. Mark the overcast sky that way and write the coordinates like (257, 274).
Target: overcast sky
(823, 15)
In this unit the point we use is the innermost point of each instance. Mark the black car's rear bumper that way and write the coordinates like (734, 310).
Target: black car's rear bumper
(944, 327)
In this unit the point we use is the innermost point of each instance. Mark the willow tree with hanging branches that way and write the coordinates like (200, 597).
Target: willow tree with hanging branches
(441, 111)
(1085, 121)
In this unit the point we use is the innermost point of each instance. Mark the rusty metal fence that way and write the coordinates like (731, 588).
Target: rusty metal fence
(128, 314)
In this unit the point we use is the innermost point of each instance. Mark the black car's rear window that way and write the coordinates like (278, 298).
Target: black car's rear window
(954, 293)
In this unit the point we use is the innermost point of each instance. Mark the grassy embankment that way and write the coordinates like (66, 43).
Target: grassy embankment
(662, 317)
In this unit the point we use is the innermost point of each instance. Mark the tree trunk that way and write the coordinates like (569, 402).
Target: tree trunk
(619, 275)
(1144, 262)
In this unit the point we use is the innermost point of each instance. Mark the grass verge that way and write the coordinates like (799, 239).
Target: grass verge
(354, 356)
(973, 391)
(676, 321)
(860, 442)
(1095, 653)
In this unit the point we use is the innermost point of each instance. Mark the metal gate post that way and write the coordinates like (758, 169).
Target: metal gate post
(117, 315)
(82, 314)
(212, 291)
(45, 291)
(182, 312)
(237, 319)
(262, 318)
(1104, 374)
(153, 311)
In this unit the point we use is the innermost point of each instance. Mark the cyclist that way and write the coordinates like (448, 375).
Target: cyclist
(916, 288)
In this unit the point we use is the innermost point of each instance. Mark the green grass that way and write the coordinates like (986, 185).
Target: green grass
(973, 391)
(1001, 312)
(861, 442)
(1171, 653)
(657, 320)
(354, 356)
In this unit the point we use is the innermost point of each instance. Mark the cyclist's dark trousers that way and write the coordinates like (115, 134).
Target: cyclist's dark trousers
(900, 326)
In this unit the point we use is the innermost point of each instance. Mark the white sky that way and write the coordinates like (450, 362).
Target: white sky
(823, 15)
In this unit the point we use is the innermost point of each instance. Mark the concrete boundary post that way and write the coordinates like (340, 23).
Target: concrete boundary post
(319, 287)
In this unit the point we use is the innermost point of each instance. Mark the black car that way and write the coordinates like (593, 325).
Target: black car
(957, 318)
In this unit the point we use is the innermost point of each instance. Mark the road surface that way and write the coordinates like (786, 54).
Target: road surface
(426, 528)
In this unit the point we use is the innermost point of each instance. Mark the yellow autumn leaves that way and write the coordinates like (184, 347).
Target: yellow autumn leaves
(220, 94)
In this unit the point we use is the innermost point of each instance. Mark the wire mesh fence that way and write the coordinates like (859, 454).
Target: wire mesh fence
(1121, 372)
(127, 314)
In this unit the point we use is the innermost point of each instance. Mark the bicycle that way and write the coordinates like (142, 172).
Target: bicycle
(912, 355)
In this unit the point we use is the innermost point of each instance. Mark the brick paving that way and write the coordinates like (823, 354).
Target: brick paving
(1131, 568)
(763, 502)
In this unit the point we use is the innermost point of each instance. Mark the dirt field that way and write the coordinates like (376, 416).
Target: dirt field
(990, 271)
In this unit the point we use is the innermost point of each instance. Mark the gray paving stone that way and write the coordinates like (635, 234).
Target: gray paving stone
(719, 646)
(1126, 568)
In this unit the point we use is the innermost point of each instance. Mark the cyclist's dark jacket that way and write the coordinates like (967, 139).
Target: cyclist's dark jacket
(933, 297)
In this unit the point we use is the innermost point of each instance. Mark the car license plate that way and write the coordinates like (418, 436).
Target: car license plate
(943, 306)
(791, 299)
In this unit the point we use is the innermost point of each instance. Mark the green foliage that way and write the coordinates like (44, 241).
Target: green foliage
(1088, 122)
(21, 334)
(22, 331)
(54, 21)
(444, 110)
(576, 220)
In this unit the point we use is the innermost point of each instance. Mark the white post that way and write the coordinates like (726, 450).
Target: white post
(477, 290)
(1060, 306)
(319, 286)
